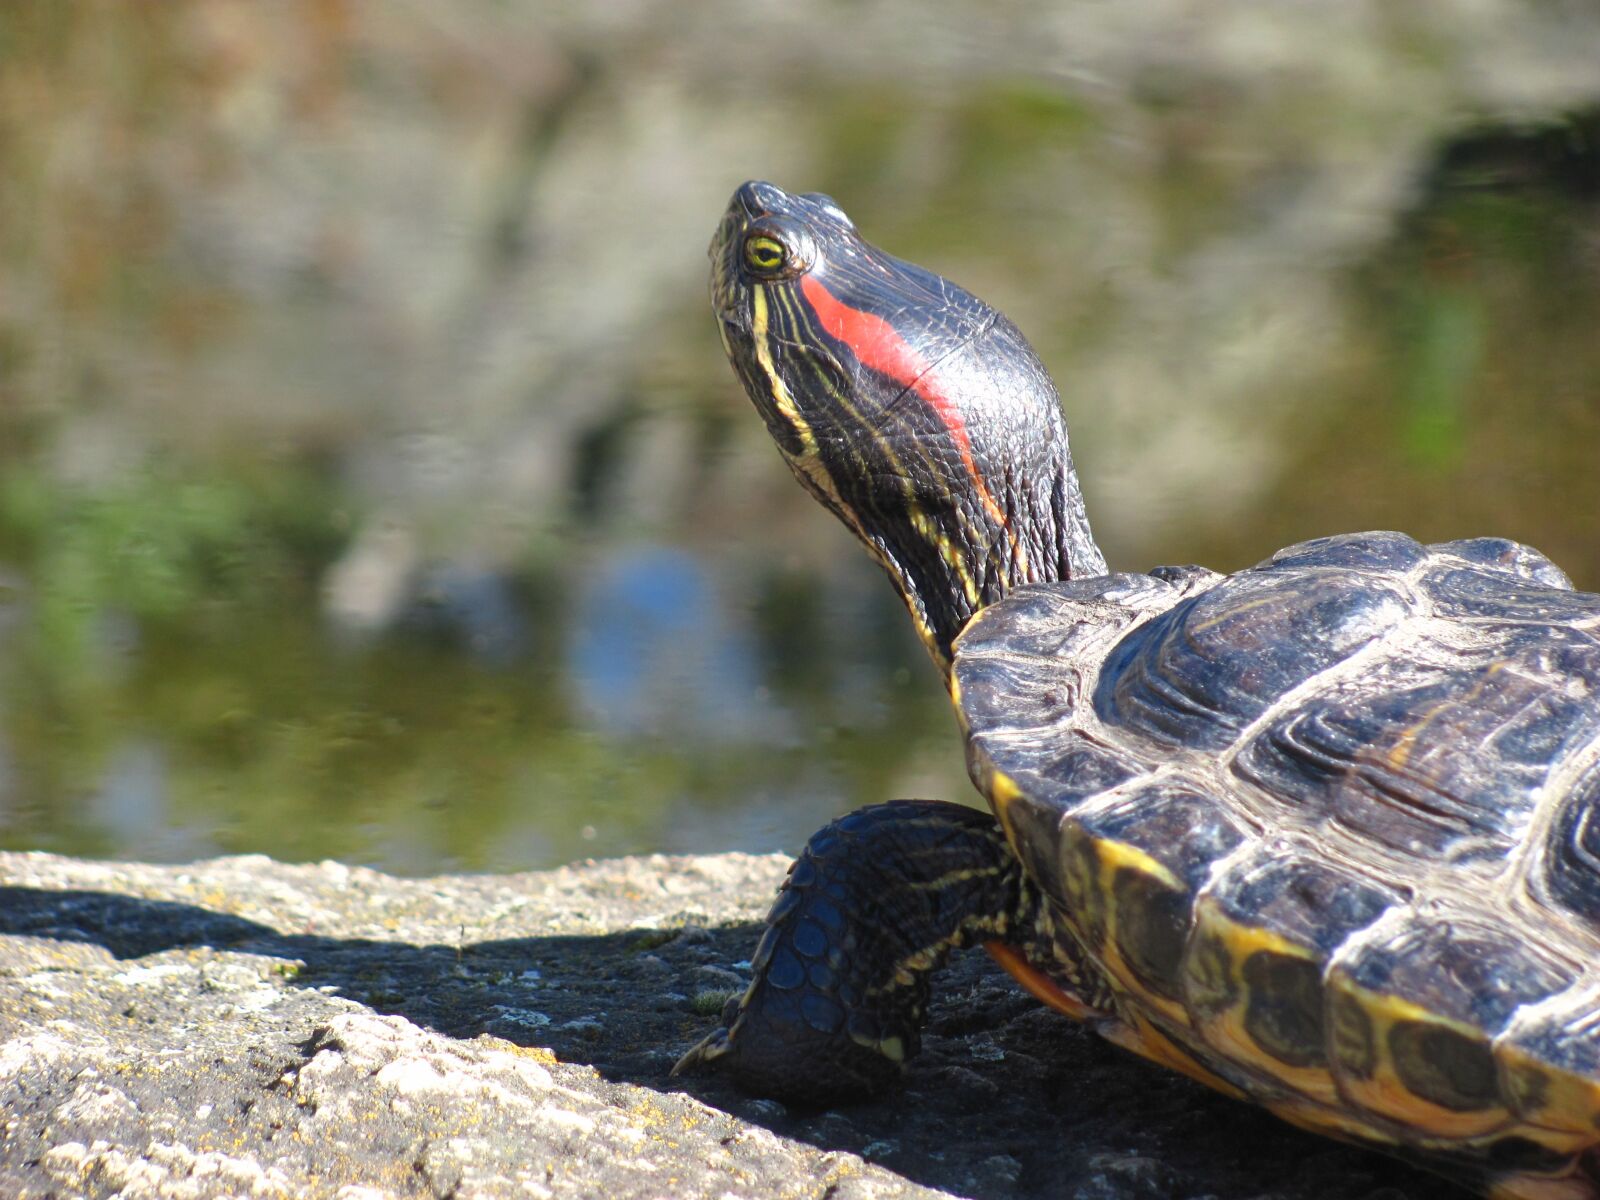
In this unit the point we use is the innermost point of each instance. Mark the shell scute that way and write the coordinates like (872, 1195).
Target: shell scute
(1445, 1067)
(1570, 858)
(1541, 734)
(1135, 861)
(1308, 901)
(1503, 553)
(1441, 752)
(1264, 932)
(1046, 783)
(1064, 620)
(1461, 969)
(1422, 1007)
(1057, 774)
(995, 690)
(1552, 1063)
(1463, 591)
(1283, 1012)
(1199, 672)
(1378, 550)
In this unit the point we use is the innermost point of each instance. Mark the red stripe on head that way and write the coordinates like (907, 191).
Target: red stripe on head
(877, 344)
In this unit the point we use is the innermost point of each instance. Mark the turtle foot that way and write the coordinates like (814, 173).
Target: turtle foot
(870, 910)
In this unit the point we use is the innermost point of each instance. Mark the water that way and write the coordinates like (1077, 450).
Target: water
(372, 486)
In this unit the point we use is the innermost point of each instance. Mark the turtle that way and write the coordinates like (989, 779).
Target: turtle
(1323, 834)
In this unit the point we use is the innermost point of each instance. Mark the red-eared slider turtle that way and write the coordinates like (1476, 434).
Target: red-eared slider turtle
(1324, 834)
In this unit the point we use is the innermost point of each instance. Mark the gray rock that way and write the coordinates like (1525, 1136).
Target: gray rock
(241, 1027)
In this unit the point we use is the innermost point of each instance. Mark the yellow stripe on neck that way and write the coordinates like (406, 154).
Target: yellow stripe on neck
(780, 390)
(929, 530)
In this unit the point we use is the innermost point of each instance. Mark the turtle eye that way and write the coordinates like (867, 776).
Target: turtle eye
(765, 255)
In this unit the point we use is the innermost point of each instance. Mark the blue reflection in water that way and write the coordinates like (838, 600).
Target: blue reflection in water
(473, 607)
(131, 807)
(654, 652)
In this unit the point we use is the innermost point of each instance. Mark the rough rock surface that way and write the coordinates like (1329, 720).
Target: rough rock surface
(240, 1027)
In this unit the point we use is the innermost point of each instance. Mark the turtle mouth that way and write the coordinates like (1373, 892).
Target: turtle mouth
(731, 304)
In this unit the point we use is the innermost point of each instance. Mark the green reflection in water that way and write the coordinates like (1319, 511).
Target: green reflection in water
(169, 692)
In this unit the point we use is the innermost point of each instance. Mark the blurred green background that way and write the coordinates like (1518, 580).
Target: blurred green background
(372, 485)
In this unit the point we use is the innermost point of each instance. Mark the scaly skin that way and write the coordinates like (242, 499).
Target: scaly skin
(871, 908)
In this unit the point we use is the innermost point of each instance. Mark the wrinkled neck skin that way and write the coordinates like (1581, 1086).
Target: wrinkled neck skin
(952, 556)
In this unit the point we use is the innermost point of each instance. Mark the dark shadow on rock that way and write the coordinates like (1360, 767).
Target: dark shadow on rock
(127, 926)
(1007, 1099)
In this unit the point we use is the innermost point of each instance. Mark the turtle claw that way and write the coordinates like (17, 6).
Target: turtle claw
(703, 1053)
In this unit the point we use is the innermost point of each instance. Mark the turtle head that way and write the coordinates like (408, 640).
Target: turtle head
(915, 412)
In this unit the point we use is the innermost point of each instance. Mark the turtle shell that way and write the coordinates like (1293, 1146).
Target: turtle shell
(1330, 827)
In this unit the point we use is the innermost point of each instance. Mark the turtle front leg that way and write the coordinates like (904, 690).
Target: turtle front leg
(870, 910)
